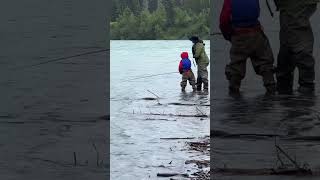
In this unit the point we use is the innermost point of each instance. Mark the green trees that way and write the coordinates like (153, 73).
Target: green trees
(160, 20)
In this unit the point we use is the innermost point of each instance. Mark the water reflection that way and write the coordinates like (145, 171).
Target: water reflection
(247, 128)
(299, 114)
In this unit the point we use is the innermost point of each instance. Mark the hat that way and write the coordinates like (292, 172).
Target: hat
(184, 55)
(194, 38)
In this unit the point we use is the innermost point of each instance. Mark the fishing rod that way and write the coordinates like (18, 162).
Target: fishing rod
(60, 59)
(269, 8)
(194, 64)
(216, 34)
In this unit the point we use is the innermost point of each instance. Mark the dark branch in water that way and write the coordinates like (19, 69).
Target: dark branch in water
(161, 119)
(178, 115)
(200, 111)
(287, 171)
(149, 98)
(261, 172)
(171, 175)
(177, 138)
(97, 153)
(153, 94)
(183, 104)
(223, 134)
(156, 96)
(75, 158)
(290, 159)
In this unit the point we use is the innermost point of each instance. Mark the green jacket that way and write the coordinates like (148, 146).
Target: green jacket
(199, 54)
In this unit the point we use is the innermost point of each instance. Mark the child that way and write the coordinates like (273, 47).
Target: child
(186, 71)
(239, 23)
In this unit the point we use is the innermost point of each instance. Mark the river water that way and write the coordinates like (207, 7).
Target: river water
(137, 150)
(51, 112)
(246, 131)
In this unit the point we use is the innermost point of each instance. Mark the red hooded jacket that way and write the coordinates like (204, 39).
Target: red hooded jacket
(185, 63)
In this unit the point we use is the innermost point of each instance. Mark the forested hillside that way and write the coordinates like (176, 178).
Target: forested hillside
(159, 19)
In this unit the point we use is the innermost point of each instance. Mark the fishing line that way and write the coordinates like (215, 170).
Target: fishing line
(59, 59)
(148, 76)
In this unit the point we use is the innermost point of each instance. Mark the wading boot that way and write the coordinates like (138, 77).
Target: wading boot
(205, 87)
(183, 89)
(306, 90)
(270, 90)
(199, 83)
(234, 91)
(194, 88)
(284, 85)
(234, 86)
(284, 90)
(198, 87)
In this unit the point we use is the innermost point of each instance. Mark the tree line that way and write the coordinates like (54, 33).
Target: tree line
(159, 19)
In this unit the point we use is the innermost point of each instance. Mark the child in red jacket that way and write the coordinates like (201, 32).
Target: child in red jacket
(239, 24)
(186, 71)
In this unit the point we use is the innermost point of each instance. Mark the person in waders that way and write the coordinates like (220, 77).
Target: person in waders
(202, 61)
(296, 45)
(186, 72)
(239, 24)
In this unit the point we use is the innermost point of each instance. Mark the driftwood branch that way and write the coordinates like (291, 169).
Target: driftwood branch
(178, 115)
(177, 138)
(171, 174)
(75, 158)
(155, 95)
(188, 104)
(160, 119)
(199, 110)
(97, 154)
(224, 134)
(260, 172)
(287, 156)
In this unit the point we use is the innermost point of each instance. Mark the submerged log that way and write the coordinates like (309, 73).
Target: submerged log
(149, 99)
(184, 104)
(171, 175)
(263, 172)
(161, 119)
(177, 138)
(177, 115)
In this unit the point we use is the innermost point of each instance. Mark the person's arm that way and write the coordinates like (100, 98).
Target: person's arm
(198, 50)
(225, 20)
(193, 49)
(180, 67)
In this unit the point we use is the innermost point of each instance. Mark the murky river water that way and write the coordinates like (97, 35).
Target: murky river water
(45, 109)
(137, 125)
(246, 131)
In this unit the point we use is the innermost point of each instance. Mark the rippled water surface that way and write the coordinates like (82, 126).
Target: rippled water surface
(50, 112)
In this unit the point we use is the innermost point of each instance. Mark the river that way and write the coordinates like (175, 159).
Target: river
(137, 150)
